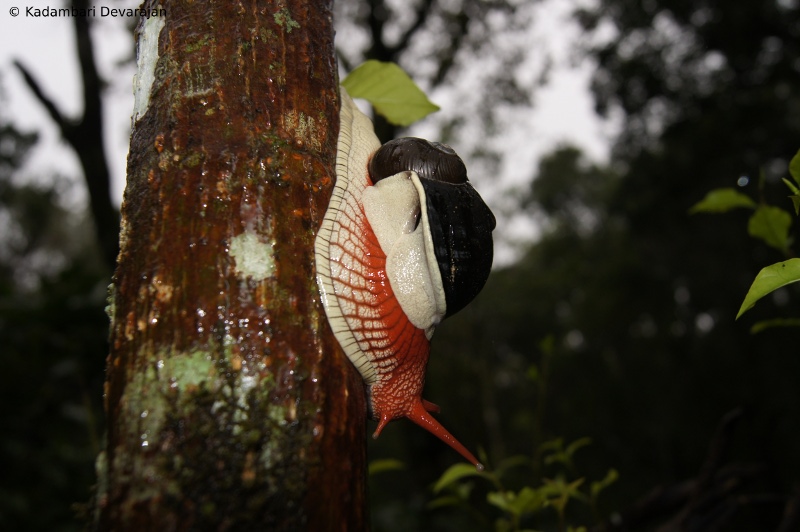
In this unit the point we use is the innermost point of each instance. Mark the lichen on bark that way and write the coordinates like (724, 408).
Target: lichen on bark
(230, 405)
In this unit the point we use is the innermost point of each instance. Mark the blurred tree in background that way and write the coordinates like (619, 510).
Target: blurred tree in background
(55, 265)
(53, 342)
(639, 296)
(642, 295)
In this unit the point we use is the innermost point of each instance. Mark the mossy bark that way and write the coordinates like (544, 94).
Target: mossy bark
(230, 405)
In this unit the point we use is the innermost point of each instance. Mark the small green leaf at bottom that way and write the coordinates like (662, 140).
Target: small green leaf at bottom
(455, 473)
(527, 500)
(770, 279)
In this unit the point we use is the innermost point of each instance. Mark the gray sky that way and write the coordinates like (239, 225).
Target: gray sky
(563, 110)
(47, 48)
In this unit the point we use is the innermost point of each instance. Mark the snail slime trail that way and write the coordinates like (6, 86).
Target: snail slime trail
(406, 242)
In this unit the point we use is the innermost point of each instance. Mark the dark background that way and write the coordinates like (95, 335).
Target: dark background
(617, 324)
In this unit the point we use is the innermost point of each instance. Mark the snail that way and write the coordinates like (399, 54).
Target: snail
(405, 242)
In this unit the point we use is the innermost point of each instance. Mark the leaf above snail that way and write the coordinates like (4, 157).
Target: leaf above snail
(391, 92)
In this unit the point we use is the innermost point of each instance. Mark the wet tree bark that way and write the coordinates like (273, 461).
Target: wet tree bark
(230, 405)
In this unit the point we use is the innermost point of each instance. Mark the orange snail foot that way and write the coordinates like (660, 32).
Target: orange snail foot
(419, 415)
(431, 407)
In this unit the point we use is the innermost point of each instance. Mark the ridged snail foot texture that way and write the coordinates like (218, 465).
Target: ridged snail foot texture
(406, 242)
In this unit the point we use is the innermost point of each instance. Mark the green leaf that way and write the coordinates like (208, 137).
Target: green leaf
(723, 200)
(796, 202)
(778, 322)
(600, 485)
(560, 492)
(770, 279)
(794, 167)
(390, 91)
(454, 473)
(500, 499)
(526, 501)
(577, 444)
(379, 466)
(795, 197)
(791, 186)
(771, 224)
(564, 456)
(555, 445)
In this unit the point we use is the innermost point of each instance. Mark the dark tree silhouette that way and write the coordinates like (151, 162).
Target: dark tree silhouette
(449, 29)
(85, 135)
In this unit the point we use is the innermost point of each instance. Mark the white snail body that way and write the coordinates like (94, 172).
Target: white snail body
(405, 242)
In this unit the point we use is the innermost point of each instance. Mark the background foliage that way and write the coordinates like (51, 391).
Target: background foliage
(53, 342)
(617, 325)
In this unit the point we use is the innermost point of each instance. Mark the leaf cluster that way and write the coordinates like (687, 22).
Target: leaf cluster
(772, 225)
(537, 499)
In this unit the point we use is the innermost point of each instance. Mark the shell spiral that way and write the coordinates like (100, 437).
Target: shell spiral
(461, 223)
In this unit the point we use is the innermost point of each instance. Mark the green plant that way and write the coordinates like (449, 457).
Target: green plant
(519, 505)
(522, 491)
(772, 225)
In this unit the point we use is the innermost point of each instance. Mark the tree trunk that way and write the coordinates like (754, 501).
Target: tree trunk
(230, 405)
